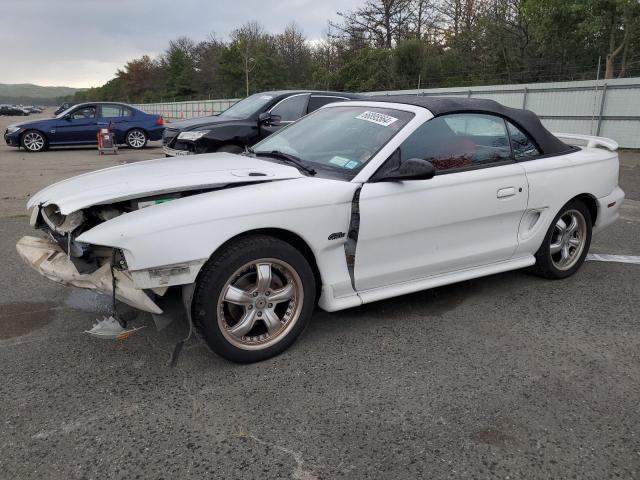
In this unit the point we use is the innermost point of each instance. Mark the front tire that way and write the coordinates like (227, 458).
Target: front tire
(566, 243)
(136, 138)
(33, 141)
(253, 298)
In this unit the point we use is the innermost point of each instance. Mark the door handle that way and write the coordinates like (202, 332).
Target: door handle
(506, 192)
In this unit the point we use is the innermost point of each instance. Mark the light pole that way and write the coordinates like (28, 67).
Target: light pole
(248, 61)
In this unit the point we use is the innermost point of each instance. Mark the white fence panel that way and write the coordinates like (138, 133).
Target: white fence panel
(183, 110)
(609, 108)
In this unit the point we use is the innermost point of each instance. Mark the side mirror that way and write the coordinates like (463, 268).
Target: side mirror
(412, 169)
(67, 117)
(266, 118)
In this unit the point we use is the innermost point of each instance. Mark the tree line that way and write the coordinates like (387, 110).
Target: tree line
(396, 44)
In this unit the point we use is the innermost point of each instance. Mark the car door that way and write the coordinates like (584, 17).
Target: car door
(80, 126)
(466, 216)
(287, 111)
(116, 117)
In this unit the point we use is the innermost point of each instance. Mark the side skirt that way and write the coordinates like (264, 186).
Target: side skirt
(395, 290)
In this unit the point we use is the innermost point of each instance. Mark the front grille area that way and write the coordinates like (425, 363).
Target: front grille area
(180, 145)
(168, 135)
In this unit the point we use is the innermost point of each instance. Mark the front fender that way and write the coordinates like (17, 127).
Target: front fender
(236, 132)
(182, 234)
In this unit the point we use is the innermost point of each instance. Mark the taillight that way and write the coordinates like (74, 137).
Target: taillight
(160, 120)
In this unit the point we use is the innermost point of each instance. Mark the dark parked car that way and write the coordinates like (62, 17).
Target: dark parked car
(246, 122)
(12, 111)
(79, 126)
(33, 109)
(63, 107)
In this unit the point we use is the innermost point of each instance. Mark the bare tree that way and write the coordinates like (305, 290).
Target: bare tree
(248, 36)
(425, 20)
(293, 50)
(379, 21)
(623, 19)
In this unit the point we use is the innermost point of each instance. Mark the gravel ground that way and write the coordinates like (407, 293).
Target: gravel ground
(508, 376)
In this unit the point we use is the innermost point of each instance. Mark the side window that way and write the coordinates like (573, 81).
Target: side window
(315, 102)
(459, 141)
(110, 111)
(292, 108)
(82, 113)
(523, 146)
(126, 112)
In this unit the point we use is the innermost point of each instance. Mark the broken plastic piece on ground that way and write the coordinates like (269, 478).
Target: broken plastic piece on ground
(110, 328)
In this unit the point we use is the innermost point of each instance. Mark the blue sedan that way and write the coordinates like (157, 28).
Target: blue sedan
(78, 125)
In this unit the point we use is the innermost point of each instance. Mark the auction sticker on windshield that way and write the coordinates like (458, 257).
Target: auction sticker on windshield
(378, 118)
(340, 161)
(352, 164)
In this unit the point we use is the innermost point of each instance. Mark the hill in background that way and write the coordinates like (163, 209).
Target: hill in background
(29, 94)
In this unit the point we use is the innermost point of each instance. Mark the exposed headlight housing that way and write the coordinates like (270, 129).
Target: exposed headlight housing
(61, 223)
(12, 129)
(193, 135)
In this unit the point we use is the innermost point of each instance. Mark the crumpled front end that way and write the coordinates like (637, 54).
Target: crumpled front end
(48, 258)
(61, 257)
(86, 219)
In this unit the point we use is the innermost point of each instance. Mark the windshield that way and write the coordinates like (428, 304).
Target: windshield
(249, 106)
(342, 138)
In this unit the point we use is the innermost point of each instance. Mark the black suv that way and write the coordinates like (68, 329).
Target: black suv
(63, 107)
(246, 122)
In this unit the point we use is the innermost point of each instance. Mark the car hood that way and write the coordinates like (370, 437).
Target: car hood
(157, 177)
(31, 123)
(201, 122)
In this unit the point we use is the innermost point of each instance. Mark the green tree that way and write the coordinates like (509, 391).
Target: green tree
(178, 63)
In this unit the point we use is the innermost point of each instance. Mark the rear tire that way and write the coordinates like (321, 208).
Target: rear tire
(33, 141)
(136, 138)
(253, 298)
(566, 244)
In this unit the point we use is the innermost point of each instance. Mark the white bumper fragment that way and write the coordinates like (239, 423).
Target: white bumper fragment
(47, 258)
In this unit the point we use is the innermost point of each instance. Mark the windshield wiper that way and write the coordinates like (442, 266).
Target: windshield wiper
(286, 157)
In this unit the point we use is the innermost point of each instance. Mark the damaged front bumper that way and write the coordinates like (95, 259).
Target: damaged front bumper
(48, 258)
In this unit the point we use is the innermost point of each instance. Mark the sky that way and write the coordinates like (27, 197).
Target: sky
(81, 43)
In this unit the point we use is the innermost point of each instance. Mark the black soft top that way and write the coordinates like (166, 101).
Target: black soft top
(523, 119)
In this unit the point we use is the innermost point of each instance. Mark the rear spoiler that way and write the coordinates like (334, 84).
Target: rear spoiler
(591, 141)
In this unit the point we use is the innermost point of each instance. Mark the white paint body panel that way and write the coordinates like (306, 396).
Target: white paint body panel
(412, 235)
(415, 229)
(554, 181)
(192, 228)
(155, 177)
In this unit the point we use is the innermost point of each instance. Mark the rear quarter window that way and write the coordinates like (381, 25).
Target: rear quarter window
(315, 102)
(522, 145)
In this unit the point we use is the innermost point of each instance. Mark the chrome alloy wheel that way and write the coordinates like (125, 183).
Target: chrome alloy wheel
(568, 239)
(136, 139)
(260, 303)
(33, 141)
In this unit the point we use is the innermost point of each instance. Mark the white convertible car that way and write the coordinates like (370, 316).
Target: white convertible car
(357, 202)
